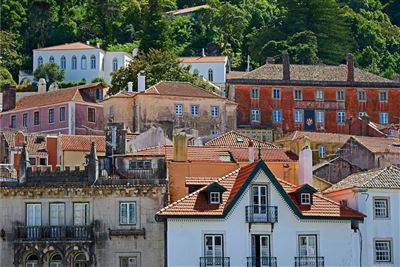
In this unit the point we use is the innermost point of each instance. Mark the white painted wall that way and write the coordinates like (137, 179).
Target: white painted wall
(123, 61)
(219, 70)
(335, 238)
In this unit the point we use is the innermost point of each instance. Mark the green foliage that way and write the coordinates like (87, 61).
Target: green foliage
(70, 84)
(10, 58)
(50, 71)
(98, 80)
(5, 77)
(127, 47)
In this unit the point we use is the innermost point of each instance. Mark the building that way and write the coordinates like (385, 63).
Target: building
(79, 61)
(335, 170)
(236, 139)
(375, 193)
(181, 106)
(250, 218)
(74, 110)
(288, 97)
(80, 218)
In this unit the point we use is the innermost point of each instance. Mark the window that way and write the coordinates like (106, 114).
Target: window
(322, 152)
(298, 115)
(308, 246)
(215, 198)
(62, 114)
(341, 117)
(83, 63)
(25, 120)
(128, 262)
(362, 114)
(57, 214)
(13, 123)
(127, 213)
(362, 96)
(214, 111)
(74, 63)
(140, 164)
(276, 93)
(383, 251)
(210, 75)
(195, 110)
(32, 261)
(255, 115)
(298, 94)
(33, 217)
(91, 115)
(56, 261)
(381, 209)
(51, 59)
(340, 95)
(36, 119)
(320, 116)
(93, 62)
(99, 94)
(81, 213)
(178, 109)
(115, 64)
(51, 115)
(255, 93)
(319, 95)
(383, 117)
(259, 193)
(40, 61)
(383, 96)
(276, 115)
(213, 249)
(63, 63)
(305, 199)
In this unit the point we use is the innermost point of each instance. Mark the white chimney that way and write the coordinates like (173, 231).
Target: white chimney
(203, 53)
(42, 86)
(305, 166)
(251, 151)
(88, 42)
(141, 77)
(98, 45)
(130, 86)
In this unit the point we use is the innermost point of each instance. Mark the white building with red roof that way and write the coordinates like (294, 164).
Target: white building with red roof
(250, 218)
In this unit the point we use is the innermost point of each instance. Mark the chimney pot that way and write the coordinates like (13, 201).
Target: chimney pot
(88, 42)
(203, 53)
(42, 86)
(130, 86)
(98, 45)
(286, 66)
(350, 68)
(141, 77)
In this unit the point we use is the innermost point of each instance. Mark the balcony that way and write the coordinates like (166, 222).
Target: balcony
(261, 262)
(309, 261)
(74, 233)
(215, 261)
(261, 214)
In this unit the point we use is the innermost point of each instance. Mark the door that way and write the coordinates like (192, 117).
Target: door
(81, 219)
(213, 250)
(260, 202)
(309, 120)
(57, 219)
(308, 250)
(260, 251)
(33, 219)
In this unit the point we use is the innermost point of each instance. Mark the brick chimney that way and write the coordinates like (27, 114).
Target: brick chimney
(350, 68)
(180, 147)
(286, 66)
(9, 97)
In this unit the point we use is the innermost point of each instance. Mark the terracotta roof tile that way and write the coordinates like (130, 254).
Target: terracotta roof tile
(206, 59)
(35, 143)
(82, 142)
(235, 139)
(316, 137)
(70, 46)
(179, 89)
(199, 180)
(379, 144)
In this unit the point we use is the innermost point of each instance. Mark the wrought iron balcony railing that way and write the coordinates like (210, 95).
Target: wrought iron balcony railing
(309, 261)
(261, 262)
(261, 214)
(59, 233)
(215, 261)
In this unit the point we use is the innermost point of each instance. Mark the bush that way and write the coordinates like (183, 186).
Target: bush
(70, 84)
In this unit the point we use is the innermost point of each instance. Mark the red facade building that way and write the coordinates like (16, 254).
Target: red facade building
(289, 97)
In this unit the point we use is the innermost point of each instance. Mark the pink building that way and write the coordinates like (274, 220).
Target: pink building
(75, 110)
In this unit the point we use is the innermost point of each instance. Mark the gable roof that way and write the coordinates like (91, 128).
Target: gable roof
(205, 59)
(235, 139)
(82, 142)
(236, 182)
(179, 89)
(378, 144)
(316, 137)
(35, 143)
(384, 178)
(67, 46)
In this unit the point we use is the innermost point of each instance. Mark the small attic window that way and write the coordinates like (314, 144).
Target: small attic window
(215, 197)
(214, 193)
(305, 198)
(226, 158)
(239, 139)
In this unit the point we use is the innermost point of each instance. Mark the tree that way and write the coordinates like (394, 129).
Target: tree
(10, 57)
(50, 71)
(5, 77)
(158, 65)
(13, 15)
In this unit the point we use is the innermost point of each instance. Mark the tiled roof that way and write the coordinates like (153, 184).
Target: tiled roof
(235, 74)
(75, 94)
(316, 137)
(180, 89)
(196, 204)
(388, 178)
(35, 143)
(205, 59)
(70, 46)
(82, 142)
(312, 73)
(235, 139)
(379, 144)
(200, 180)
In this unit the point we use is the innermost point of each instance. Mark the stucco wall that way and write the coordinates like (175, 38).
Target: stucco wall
(119, 109)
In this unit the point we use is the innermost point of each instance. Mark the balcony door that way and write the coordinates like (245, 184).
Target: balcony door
(33, 218)
(260, 250)
(260, 202)
(81, 220)
(213, 250)
(57, 219)
(307, 245)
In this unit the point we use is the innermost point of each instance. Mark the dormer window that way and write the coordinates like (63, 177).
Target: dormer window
(215, 197)
(305, 199)
(214, 193)
(304, 194)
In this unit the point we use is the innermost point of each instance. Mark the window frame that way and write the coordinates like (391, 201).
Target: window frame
(320, 111)
(40, 61)
(87, 214)
(386, 94)
(278, 94)
(381, 117)
(321, 151)
(387, 208)
(306, 200)
(176, 109)
(127, 258)
(215, 198)
(115, 64)
(147, 164)
(195, 108)
(294, 94)
(25, 118)
(93, 62)
(210, 75)
(319, 98)
(214, 111)
(83, 62)
(295, 113)
(36, 118)
(390, 252)
(89, 113)
(362, 93)
(51, 118)
(274, 113)
(128, 221)
(13, 121)
(255, 93)
(62, 113)
(74, 63)
(255, 115)
(337, 117)
(63, 62)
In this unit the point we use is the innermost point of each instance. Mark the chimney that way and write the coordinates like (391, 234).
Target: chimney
(9, 97)
(350, 68)
(203, 53)
(93, 164)
(23, 164)
(42, 86)
(98, 45)
(364, 125)
(305, 166)
(270, 60)
(130, 87)
(251, 151)
(141, 77)
(180, 147)
(286, 66)
(88, 42)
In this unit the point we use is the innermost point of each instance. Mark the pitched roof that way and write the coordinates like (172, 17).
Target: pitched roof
(35, 143)
(385, 178)
(199, 180)
(205, 59)
(312, 73)
(82, 142)
(68, 46)
(235, 74)
(316, 137)
(180, 89)
(196, 204)
(235, 139)
(379, 144)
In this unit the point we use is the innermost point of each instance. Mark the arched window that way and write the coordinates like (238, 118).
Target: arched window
(63, 63)
(51, 59)
(83, 63)
(115, 64)
(32, 261)
(210, 75)
(80, 260)
(56, 261)
(39, 61)
(73, 63)
(93, 62)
